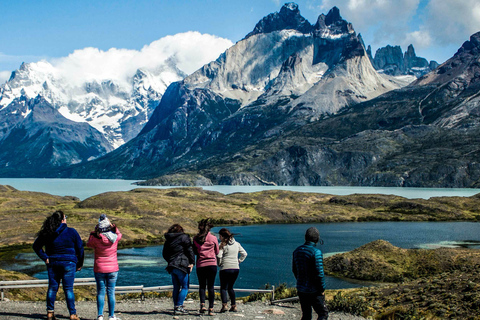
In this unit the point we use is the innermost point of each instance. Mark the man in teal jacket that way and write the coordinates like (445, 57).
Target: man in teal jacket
(307, 266)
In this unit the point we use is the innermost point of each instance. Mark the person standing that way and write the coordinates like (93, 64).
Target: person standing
(178, 253)
(307, 266)
(229, 262)
(205, 247)
(104, 240)
(63, 256)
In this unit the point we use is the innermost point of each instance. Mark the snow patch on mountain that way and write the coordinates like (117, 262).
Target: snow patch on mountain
(114, 91)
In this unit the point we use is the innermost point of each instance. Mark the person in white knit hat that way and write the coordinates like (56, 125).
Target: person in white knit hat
(104, 240)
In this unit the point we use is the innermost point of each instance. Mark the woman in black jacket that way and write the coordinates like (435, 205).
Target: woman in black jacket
(178, 253)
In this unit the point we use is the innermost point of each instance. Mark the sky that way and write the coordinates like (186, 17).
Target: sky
(133, 32)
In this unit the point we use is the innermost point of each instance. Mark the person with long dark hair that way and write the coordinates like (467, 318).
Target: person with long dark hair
(230, 255)
(205, 246)
(63, 256)
(104, 240)
(178, 253)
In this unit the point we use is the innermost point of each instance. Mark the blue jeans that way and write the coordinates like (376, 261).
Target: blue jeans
(180, 286)
(64, 271)
(108, 281)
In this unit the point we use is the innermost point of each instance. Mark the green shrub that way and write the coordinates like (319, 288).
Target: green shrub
(348, 304)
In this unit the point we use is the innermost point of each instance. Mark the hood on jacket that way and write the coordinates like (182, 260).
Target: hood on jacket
(60, 229)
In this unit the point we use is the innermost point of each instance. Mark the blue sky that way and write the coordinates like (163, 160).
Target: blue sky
(31, 30)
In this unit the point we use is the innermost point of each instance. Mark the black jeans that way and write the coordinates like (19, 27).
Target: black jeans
(315, 300)
(206, 277)
(227, 280)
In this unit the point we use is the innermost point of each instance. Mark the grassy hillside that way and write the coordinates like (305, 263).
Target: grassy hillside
(430, 284)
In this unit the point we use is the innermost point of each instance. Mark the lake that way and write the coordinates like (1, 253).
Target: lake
(270, 248)
(84, 188)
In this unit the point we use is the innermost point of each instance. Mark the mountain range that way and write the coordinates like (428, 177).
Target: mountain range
(293, 103)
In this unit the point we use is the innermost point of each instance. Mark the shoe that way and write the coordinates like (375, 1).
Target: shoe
(74, 317)
(202, 308)
(114, 318)
(224, 308)
(51, 315)
(233, 308)
(100, 318)
(210, 312)
(179, 310)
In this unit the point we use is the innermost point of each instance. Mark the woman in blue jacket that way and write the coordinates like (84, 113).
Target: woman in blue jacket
(63, 256)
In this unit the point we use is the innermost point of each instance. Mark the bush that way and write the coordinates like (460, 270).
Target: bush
(348, 304)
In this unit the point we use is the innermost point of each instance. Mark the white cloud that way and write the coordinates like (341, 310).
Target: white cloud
(387, 20)
(452, 21)
(4, 76)
(191, 50)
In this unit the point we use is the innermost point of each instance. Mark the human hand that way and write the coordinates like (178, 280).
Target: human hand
(78, 269)
(47, 261)
(191, 267)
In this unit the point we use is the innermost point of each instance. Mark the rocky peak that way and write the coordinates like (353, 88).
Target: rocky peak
(289, 17)
(333, 16)
(471, 46)
(332, 24)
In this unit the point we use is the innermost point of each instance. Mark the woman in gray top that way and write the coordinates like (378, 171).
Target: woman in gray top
(229, 260)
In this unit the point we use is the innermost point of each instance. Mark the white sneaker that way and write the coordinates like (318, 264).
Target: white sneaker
(100, 318)
(114, 318)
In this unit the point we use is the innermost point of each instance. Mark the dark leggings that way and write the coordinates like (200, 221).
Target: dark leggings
(206, 276)
(227, 280)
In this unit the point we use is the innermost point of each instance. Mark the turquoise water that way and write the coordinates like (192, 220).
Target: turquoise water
(270, 247)
(84, 188)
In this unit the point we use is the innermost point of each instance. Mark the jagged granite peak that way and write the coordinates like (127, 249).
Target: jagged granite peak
(289, 17)
(332, 25)
(390, 60)
(471, 46)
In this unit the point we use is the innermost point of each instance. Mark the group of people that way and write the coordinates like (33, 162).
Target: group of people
(180, 252)
(61, 248)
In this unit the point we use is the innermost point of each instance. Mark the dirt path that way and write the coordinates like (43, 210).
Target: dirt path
(157, 309)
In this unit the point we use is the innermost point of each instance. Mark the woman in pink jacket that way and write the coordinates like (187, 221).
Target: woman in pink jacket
(205, 246)
(104, 240)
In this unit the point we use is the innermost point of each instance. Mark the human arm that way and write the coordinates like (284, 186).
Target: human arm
(242, 252)
(188, 250)
(79, 252)
(320, 274)
(294, 266)
(38, 248)
(117, 232)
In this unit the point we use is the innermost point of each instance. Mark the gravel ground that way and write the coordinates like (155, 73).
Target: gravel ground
(158, 309)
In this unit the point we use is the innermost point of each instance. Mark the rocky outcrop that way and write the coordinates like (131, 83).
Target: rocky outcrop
(390, 60)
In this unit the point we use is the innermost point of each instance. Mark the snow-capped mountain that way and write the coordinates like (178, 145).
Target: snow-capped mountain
(284, 74)
(115, 109)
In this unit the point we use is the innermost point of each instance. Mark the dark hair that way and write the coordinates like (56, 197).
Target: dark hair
(51, 224)
(176, 228)
(226, 234)
(204, 227)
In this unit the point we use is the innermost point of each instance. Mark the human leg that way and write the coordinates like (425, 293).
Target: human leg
(68, 279)
(232, 277)
(111, 281)
(320, 307)
(212, 273)
(223, 286)
(54, 277)
(180, 286)
(306, 305)
(202, 283)
(100, 279)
